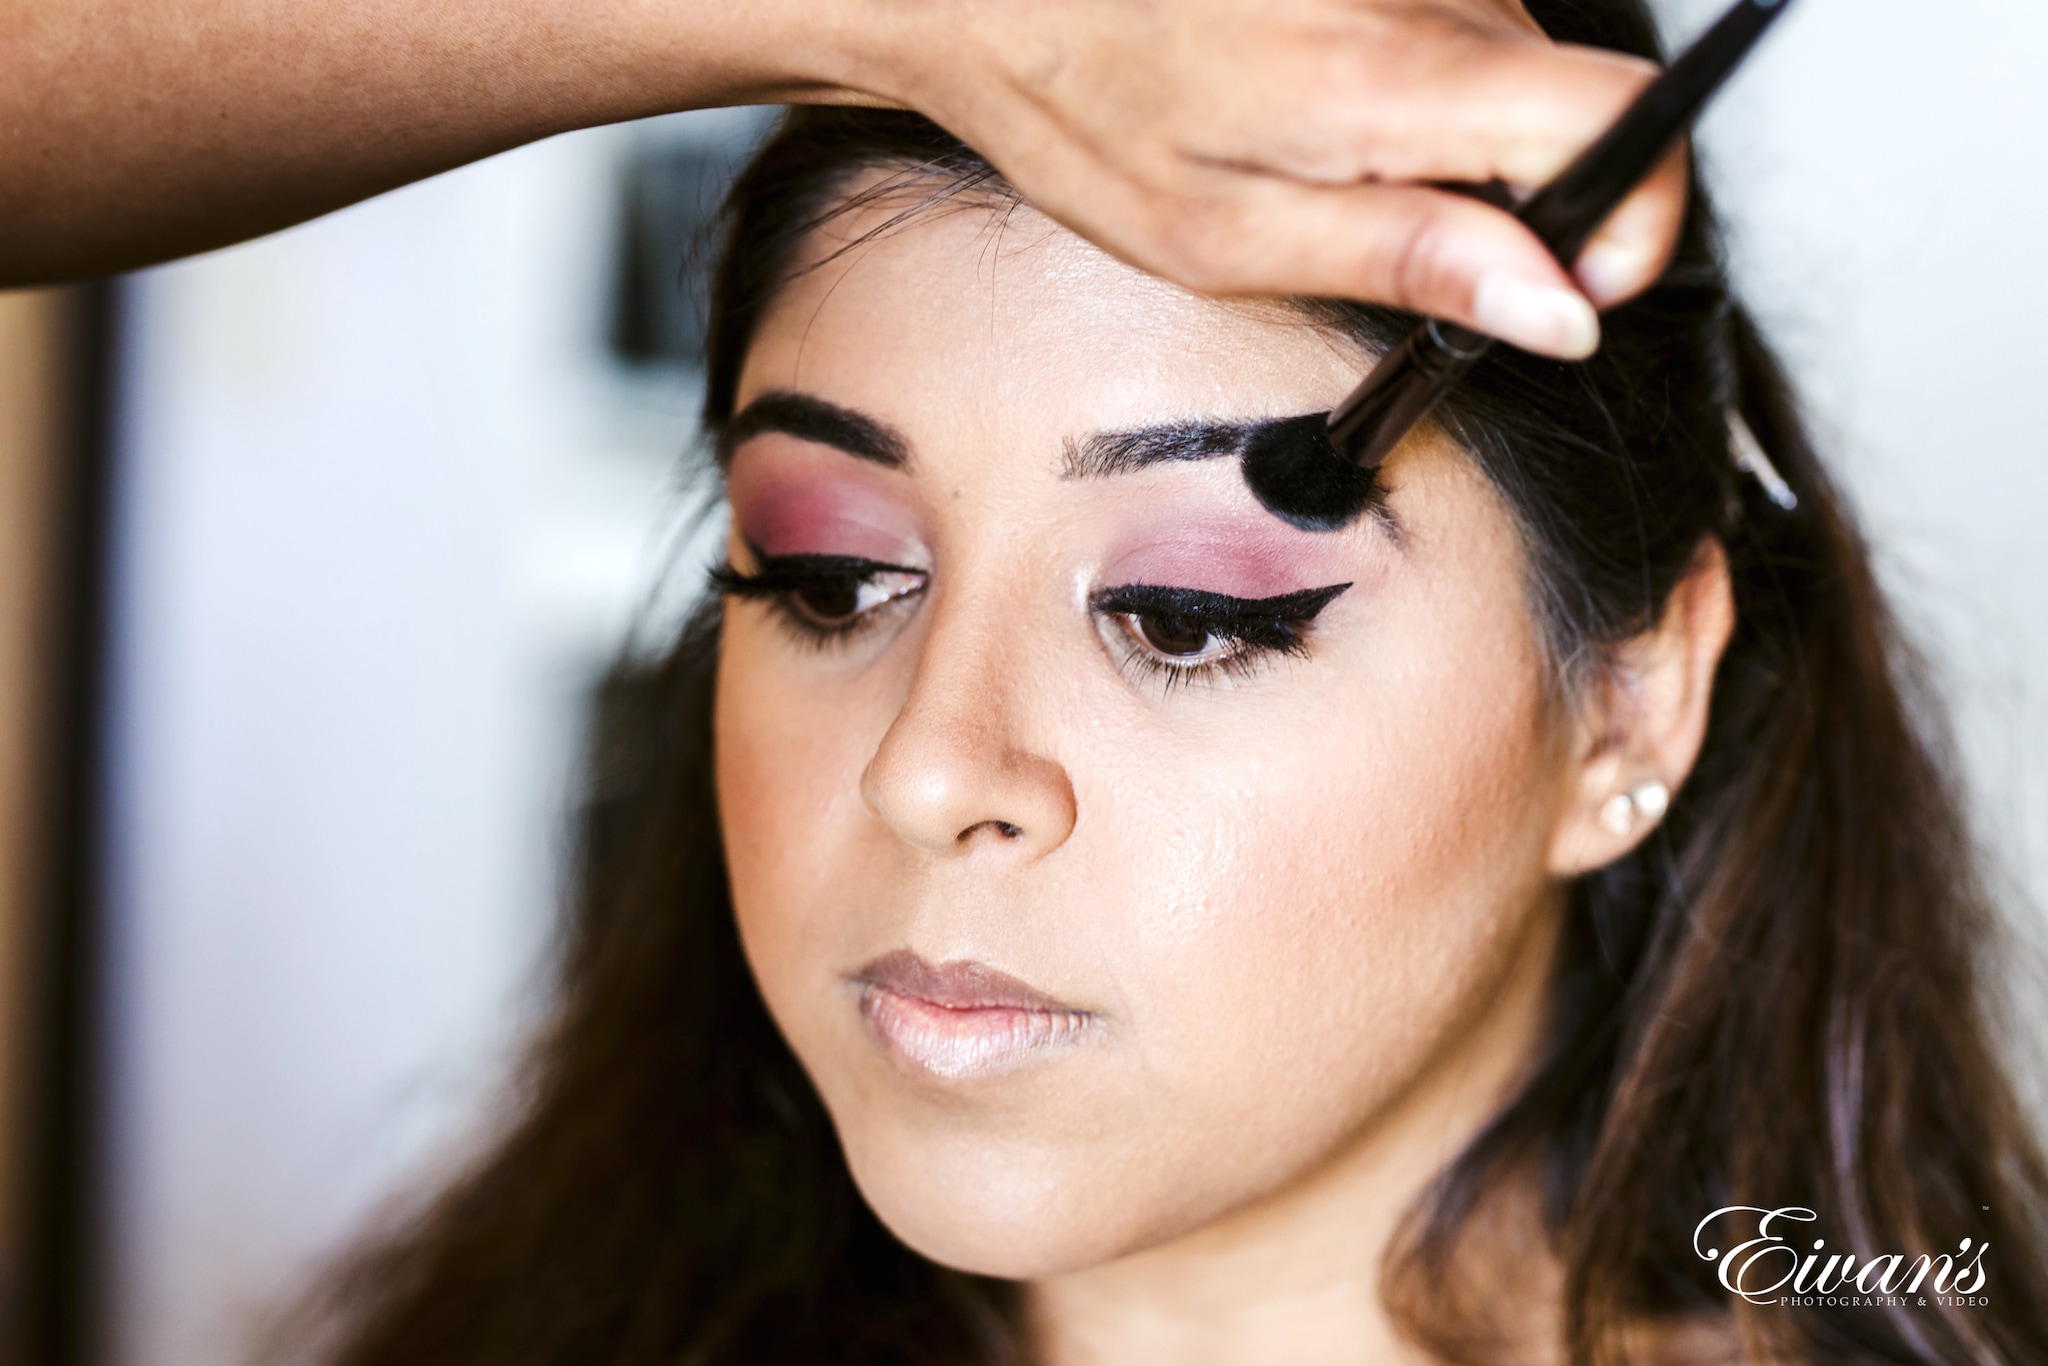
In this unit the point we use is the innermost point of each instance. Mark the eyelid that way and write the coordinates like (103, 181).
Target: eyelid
(822, 566)
(812, 498)
(1298, 607)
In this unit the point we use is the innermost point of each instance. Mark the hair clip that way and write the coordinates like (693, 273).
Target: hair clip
(1751, 460)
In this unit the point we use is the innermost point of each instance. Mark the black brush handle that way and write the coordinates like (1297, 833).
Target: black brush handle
(1408, 381)
(1411, 379)
(1567, 211)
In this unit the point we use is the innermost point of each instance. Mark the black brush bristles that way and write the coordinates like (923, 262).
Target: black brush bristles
(1294, 470)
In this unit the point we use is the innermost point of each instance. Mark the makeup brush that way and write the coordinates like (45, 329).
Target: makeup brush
(1322, 479)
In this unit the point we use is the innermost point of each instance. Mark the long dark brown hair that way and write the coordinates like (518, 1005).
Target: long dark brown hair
(1780, 998)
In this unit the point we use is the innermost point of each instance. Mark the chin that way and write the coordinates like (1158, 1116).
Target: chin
(983, 1207)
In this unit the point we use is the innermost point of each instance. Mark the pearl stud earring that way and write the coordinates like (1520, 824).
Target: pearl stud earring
(1651, 800)
(1648, 801)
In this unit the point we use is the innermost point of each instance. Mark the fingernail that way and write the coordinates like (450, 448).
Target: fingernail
(1555, 322)
(1611, 271)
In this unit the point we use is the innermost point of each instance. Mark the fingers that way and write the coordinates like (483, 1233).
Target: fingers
(1632, 248)
(1411, 101)
(1237, 147)
(1413, 248)
(1487, 108)
(1522, 111)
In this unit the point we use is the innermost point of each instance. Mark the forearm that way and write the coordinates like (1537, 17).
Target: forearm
(1237, 147)
(139, 130)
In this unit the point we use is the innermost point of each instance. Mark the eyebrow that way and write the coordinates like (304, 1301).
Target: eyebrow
(1105, 454)
(813, 419)
(1099, 455)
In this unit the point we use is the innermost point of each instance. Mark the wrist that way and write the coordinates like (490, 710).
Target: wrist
(699, 53)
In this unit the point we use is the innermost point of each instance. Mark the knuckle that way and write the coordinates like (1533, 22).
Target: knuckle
(1418, 264)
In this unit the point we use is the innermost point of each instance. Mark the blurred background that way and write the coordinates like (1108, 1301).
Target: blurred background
(313, 550)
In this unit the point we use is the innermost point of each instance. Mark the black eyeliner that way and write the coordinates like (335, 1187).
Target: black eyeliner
(785, 573)
(1258, 624)
(1256, 628)
(1216, 609)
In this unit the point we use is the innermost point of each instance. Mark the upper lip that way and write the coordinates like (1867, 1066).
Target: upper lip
(956, 985)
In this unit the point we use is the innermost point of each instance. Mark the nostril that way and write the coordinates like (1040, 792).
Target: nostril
(950, 781)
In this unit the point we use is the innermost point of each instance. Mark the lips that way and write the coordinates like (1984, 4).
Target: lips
(957, 1020)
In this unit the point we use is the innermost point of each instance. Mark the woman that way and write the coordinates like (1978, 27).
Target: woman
(1052, 911)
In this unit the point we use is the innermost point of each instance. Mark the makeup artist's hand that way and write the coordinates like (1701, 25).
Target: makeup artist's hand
(1282, 147)
(1237, 146)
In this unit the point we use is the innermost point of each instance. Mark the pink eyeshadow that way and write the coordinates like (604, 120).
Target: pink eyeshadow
(1243, 557)
(793, 498)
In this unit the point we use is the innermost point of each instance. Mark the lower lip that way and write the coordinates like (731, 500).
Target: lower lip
(974, 1041)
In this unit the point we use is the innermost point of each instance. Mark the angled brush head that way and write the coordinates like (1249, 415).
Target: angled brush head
(1292, 468)
(1321, 480)
(1315, 480)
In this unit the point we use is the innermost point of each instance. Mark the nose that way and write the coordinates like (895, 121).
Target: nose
(958, 769)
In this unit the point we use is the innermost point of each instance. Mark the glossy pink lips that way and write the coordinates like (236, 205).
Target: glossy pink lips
(961, 1019)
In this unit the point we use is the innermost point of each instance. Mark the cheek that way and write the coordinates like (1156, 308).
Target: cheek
(788, 782)
(1313, 924)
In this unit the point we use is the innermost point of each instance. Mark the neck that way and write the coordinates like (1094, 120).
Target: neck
(1295, 1277)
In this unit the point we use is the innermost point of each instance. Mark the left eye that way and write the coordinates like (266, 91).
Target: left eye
(1176, 637)
(1187, 632)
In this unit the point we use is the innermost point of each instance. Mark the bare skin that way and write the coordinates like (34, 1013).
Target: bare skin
(1238, 147)
(1272, 926)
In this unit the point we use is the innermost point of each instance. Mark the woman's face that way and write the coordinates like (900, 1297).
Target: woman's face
(1114, 856)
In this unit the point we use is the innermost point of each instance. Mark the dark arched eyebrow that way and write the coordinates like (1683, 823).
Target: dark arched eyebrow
(1111, 453)
(813, 419)
(1098, 455)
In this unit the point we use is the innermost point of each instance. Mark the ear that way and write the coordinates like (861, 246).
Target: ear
(1640, 732)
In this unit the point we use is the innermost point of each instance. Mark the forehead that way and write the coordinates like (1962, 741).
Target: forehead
(968, 313)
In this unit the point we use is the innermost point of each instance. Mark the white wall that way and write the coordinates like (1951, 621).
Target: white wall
(385, 509)
(1883, 165)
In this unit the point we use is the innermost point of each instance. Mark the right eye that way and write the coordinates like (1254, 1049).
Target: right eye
(825, 596)
(834, 601)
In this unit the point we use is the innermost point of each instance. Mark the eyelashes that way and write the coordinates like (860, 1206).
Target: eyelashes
(822, 598)
(1178, 635)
